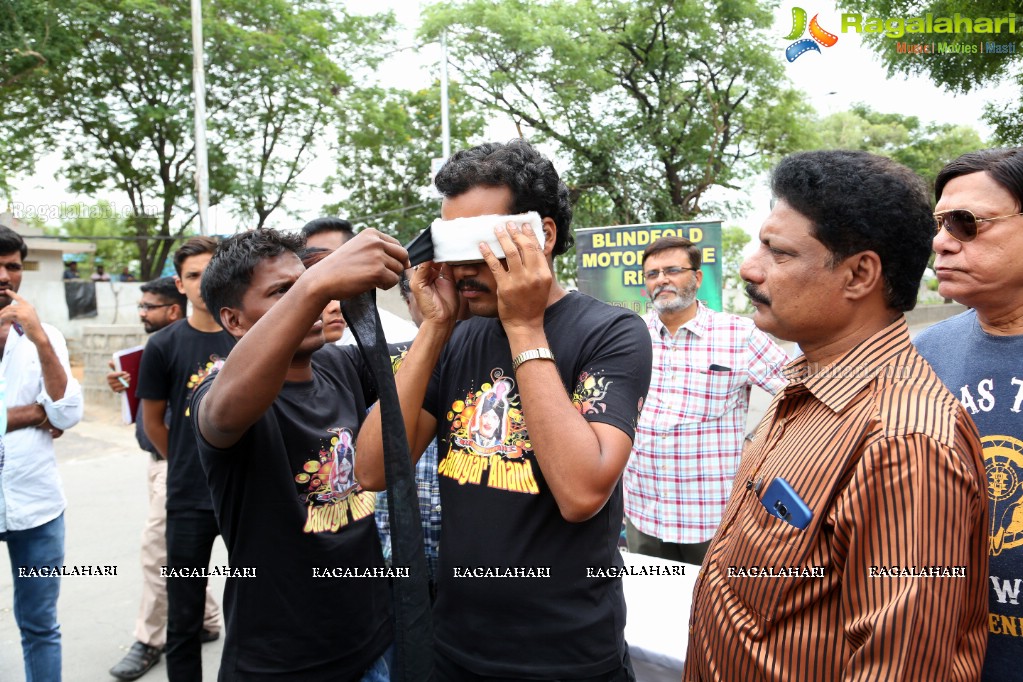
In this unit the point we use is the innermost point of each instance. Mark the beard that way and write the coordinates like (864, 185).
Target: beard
(684, 297)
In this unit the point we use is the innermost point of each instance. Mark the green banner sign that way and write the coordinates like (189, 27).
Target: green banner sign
(610, 261)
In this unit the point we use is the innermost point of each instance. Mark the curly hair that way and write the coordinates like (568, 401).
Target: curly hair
(534, 184)
(229, 273)
(858, 202)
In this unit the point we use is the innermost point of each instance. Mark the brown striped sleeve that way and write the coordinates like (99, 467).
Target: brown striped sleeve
(911, 502)
(887, 582)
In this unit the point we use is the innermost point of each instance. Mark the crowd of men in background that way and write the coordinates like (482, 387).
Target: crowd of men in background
(882, 492)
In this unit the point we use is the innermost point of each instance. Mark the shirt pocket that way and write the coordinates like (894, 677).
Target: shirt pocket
(712, 392)
(762, 543)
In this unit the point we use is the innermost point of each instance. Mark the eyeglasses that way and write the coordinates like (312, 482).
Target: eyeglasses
(146, 307)
(670, 272)
(962, 224)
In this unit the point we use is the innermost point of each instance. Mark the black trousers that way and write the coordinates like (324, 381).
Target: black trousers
(447, 670)
(190, 536)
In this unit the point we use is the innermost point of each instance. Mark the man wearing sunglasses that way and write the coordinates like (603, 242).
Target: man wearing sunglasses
(690, 434)
(979, 357)
(854, 546)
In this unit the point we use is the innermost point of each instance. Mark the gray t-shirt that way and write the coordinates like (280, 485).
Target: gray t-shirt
(986, 373)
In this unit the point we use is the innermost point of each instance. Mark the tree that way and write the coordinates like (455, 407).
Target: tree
(733, 240)
(122, 103)
(81, 222)
(923, 148)
(275, 73)
(386, 153)
(959, 73)
(31, 41)
(650, 102)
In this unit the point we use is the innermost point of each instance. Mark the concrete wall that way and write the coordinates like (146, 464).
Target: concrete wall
(115, 304)
(97, 347)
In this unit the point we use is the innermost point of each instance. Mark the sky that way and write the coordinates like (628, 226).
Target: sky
(833, 80)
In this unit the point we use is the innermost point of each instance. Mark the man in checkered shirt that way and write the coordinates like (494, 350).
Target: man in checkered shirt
(690, 433)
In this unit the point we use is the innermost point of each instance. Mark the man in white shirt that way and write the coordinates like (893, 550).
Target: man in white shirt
(42, 399)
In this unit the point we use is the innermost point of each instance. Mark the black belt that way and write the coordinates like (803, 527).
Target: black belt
(413, 624)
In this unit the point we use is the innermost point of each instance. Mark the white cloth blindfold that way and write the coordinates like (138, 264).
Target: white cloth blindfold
(457, 241)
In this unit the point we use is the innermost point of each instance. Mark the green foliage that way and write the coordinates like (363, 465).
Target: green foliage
(32, 41)
(82, 222)
(386, 152)
(121, 104)
(923, 148)
(733, 240)
(1007, 120)
(274, 71)
(651, 103)
(958, 73)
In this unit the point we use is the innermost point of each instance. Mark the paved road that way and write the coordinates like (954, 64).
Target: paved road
(104, 475)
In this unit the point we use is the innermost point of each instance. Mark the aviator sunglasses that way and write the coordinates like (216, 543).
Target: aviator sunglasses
(962, 224)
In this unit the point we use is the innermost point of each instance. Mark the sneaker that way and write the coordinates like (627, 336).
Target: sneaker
(208, 636)
(137, 662)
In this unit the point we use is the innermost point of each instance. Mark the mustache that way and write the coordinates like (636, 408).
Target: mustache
(671, 289)
(755, 295)
(473, 284)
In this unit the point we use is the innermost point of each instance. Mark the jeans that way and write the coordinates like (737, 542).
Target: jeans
(35, 598)
(190, 536)
(380, 671)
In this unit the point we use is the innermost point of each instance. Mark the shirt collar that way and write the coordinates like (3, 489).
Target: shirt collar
(838, 383)
(699, 325)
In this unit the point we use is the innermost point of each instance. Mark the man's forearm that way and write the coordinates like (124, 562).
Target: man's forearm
(25, 416)
(580, 468)
(54, 376)
(153, 424)
(159, 436)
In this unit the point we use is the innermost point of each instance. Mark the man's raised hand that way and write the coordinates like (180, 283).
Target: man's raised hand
(369, 260)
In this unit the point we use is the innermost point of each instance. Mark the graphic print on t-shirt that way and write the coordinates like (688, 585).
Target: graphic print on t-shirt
(488, 435)
(489, 444)
(328, 487)
(212, 365)
(590, 393)
(1003, 464)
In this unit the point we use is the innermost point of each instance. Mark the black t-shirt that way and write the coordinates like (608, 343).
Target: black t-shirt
(176, 359)
(289, 507)
(500, 514)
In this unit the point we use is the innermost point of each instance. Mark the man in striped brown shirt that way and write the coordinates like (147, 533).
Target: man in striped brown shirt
(854, 546)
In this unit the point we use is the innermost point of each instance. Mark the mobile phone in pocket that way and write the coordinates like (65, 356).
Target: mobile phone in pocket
(782, 502)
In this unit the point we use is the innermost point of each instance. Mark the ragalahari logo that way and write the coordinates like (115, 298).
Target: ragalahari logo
(817, 35)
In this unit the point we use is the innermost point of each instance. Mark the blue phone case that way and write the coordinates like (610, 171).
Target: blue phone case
(782, 502)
